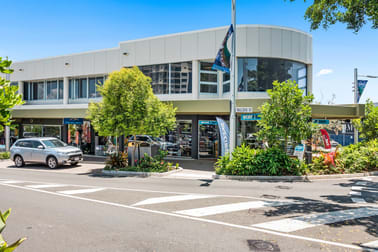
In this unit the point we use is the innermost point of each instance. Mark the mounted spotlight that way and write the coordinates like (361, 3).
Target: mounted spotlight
(125, 53)
(21, 69)
(66, 64)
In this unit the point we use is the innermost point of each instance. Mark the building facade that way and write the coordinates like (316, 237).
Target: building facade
(57, 90)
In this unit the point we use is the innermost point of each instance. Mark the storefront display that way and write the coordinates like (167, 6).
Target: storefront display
(208, 139)
(178, 142)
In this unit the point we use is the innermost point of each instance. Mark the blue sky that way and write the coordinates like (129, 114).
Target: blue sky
(37, 29)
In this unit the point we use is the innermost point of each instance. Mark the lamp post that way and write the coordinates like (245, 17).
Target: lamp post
(232, 81)
(356, 95)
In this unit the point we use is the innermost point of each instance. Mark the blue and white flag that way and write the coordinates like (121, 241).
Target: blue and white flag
(361, 84)
(222, 61)
(224, 135)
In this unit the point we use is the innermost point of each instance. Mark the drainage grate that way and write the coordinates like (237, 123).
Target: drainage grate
(260, 245)
(283, 187)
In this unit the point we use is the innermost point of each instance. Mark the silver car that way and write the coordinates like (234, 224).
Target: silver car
(46, 150)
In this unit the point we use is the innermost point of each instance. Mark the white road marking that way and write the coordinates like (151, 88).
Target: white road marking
(355, 193)
(158, 200)
(356, 188)
(358, 200)
(361, 183)
(312, 220)
(70, 192)
(226, 208)
(45, 186)
(12, 182)
(192, 218)
(371, 245)
(367, 178)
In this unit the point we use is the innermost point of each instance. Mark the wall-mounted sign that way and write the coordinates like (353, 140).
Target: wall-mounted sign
(243, 109)
(73, 121)
(320, 121)
(251, 117)
(299, 151)
(208, 122)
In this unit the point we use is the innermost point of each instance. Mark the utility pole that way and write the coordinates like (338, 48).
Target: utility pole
(355, 101)
(232, 81)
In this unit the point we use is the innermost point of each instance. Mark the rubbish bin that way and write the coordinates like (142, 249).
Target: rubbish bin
(150, 149)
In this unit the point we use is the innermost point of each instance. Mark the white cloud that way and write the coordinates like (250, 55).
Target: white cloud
(324, 72)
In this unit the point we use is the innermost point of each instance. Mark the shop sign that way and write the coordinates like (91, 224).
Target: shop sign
(73, 121)
(243, 109)
(299, 151)
(251, 117)
(320, 121)
(208, 122)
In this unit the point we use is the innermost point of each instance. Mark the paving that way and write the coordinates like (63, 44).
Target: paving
(181, 214)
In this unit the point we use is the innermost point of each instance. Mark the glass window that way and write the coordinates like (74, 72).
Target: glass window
(258, 74)
(51, 131)
(226, 82)
(178, 142)
(181, 78)
(99, 81)
(92, 88)
(81, 88)
(32, 131)
(38, 90)
(71, 89)
(159, 75)
(52, 90)
(208, 78)
(60, 89)
(54, 143)
(26, 91)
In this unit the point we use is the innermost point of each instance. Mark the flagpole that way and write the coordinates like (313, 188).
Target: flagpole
(232, 81)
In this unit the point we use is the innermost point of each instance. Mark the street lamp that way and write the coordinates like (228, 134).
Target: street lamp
(356, 95)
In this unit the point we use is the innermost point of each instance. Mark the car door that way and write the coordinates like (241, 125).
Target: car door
(38, 155)
(26, 150)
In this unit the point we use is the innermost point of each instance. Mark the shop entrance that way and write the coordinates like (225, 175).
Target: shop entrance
(208, 140)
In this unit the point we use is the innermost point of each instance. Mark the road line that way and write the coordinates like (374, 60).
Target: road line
(70, 192)
(358, 200)
(12, 182)
(227, 208)
(361, 183)
(367, 178)
(159, 200)
(371, 245)
(191, 218)
(312, 220)
(45, 186)
(356, 188)
(355, 193)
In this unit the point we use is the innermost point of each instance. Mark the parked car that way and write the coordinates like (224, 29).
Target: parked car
(44, 150)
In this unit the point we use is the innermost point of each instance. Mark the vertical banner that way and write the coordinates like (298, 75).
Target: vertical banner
(361, 84)
(222, 60)
(224, 136)
(326, 140)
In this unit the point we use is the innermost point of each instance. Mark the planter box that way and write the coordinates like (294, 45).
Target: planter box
(114, 173)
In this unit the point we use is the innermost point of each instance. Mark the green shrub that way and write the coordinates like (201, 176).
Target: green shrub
(4, 155)
(247, 162)
(117, 160)
(4, 247)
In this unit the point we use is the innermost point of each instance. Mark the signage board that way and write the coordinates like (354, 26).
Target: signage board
(299, 151)
(320, 121)
(243, 109)
(73, 121)
(206, 122)
(251, 117)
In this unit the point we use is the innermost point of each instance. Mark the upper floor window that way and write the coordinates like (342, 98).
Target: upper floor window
(38, 90)
(85, 88)
(181, 78)
(226, 82)
(159, 75)
(258, 74)
(208, 78)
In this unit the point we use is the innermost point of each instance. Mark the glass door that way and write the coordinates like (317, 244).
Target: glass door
(208, 140)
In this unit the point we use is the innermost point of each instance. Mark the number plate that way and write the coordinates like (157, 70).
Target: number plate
(76, 158)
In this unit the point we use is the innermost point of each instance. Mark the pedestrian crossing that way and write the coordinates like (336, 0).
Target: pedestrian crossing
(219, 207)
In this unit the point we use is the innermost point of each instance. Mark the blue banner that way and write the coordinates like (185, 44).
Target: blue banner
(224, 135)
(222, 60)
(361, 84)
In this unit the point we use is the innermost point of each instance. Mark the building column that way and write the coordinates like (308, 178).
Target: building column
(195, 137)
(220, 83)
(65, 90)
(7, 138)
(195, 79)
(21, 88)
(309, 79)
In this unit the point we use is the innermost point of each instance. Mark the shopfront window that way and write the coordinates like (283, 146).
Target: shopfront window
(208, 78)
(51, 131)
(79, 135)
(159, 75)
(246, 129)
(258, 74)
(32, 131)
(178, 142)
(181, 78)
(208, 139)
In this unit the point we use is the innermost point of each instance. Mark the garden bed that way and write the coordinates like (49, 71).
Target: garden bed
(125, 173)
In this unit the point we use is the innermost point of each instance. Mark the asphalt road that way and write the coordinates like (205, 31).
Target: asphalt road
(73, 210)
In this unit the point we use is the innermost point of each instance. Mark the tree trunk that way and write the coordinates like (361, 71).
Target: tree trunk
(134, 149)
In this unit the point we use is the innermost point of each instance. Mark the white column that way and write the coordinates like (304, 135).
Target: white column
(21, 88)
(220, 83)
(65, 90)
(7, 138)
(309, 79)
(195, 79)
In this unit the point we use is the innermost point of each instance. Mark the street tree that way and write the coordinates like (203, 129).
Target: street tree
(286, 116)
(354, 13)
(8, 95)
(129, 107)
(368, 126)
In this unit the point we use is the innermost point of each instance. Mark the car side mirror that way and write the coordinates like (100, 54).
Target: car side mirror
(40, 147)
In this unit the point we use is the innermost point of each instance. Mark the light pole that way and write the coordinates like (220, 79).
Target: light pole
(232, 81)
(356, 95)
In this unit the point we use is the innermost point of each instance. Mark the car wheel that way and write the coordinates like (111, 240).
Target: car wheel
(52, 163)
(74, 163)
(19, 161)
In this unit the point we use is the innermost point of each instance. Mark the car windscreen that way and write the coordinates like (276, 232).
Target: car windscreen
(53, 143)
